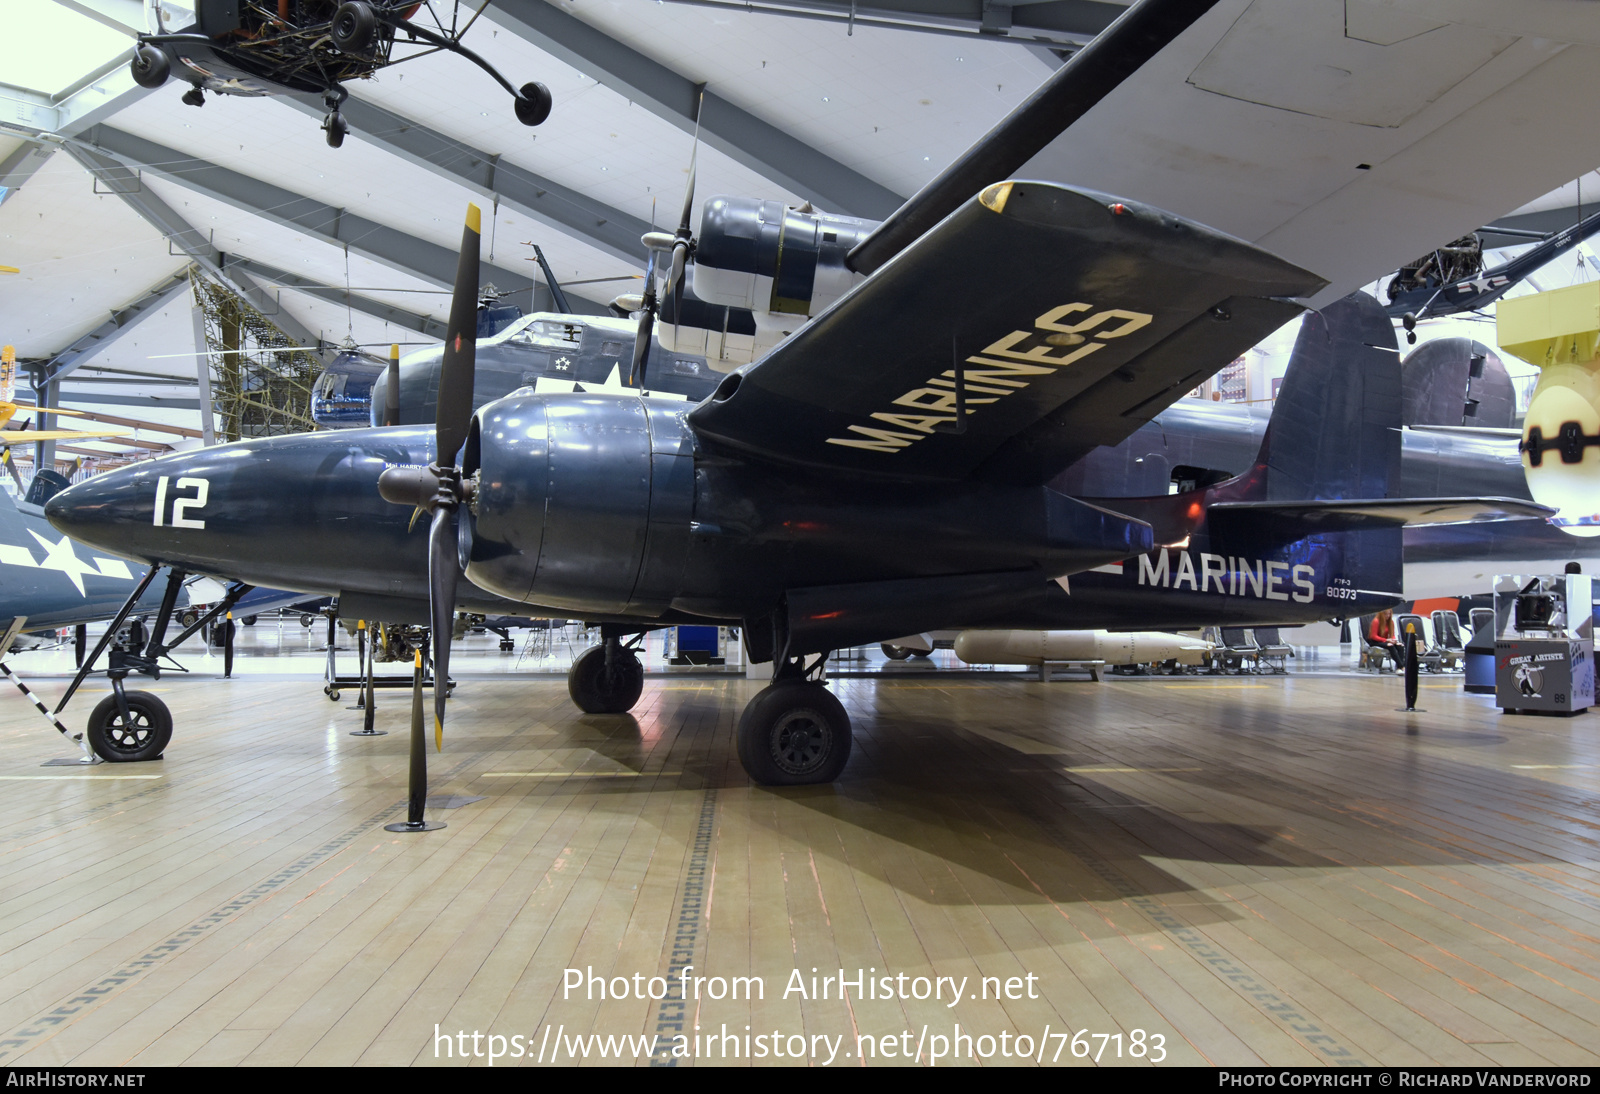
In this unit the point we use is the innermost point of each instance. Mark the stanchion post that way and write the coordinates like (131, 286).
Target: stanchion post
(1412, 666)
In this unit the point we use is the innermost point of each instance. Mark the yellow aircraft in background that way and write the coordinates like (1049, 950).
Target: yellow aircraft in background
(9, 408)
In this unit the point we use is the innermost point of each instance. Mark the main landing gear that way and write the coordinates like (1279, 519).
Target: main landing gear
(608, 678)
(795, 732)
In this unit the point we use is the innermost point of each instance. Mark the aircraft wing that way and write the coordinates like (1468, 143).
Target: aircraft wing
(1056, 319)
(1347, 137)
(10, 437)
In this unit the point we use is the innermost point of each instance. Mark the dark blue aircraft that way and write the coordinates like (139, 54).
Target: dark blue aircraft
(1452, 280)
(308, 46)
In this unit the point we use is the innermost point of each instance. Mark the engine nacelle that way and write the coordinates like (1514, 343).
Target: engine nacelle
(1559, 332)
(581, 502)
(773, 259)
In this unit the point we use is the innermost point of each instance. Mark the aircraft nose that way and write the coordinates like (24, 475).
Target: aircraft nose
(109, 511)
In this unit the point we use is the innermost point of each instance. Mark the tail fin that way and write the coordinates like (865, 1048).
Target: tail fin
(1335, 428)
(1330, 459)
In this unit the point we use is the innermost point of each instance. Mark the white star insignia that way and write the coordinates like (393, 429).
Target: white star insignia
(60, 556)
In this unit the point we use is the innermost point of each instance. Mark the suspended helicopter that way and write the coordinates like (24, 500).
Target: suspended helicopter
(265, 47)
(1451, 279)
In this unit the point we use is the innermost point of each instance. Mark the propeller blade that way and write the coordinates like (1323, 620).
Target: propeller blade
(694, 154)
(460, 347)
(684, 241)
(444, 568)
(392, 412)
(688, 193)
(647, 321)
(680, 255)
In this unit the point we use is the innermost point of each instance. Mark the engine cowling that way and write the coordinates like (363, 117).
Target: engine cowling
(774, 259)
(580, 502)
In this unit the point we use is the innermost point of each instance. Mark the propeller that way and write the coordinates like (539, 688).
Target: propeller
(683, 241)
(647, 313)
(438, 488)
(680, 245)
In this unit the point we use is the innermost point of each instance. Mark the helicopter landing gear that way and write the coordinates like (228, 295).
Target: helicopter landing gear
(533, 103)
(150, 66)
(334, 124)
(194, 96)
(354, 27)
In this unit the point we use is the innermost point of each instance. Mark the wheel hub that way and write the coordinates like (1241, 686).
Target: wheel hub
(801, 742)
(129, 736)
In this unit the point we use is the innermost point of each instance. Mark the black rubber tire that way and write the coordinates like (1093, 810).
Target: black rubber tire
(189, 618)
(533, 104)
(335, 127)
(593, 693)
(307, 620)
(794, 734)
(150, 66)
(353, 28)
(145, 739)
(248, 621)
(894, 653)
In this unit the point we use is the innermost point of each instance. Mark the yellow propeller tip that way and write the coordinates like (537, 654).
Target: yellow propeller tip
(474, 218)
(438, 735)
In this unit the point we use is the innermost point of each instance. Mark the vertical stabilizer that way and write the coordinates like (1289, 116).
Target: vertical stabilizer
(1335, 427)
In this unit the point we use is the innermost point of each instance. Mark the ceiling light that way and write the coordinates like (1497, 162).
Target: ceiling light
(824, 98)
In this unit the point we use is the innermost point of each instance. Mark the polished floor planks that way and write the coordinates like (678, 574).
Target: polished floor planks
(1191, 857)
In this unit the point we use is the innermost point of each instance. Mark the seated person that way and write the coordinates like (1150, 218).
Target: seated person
(1382, 633)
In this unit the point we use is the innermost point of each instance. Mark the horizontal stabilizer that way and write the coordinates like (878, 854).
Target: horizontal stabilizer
(1468, 430)
(1285, 521)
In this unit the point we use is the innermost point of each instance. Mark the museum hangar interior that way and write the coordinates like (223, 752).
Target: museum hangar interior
(951, 533)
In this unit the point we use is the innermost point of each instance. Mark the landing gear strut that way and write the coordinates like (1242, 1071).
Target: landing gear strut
(608, 678)
(795, 732)
(334, 124)
(135, 725)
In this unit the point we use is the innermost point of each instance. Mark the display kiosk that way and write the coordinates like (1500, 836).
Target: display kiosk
(1544, 648)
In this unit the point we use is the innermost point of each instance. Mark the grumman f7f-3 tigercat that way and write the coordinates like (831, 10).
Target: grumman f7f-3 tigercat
(886, 469)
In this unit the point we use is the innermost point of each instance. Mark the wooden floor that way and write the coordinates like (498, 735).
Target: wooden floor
(1248, 870)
